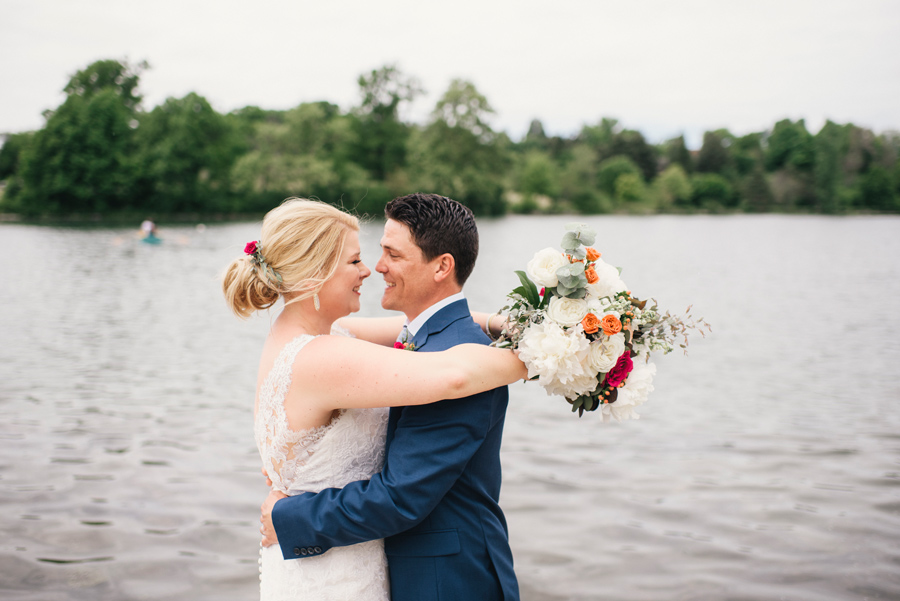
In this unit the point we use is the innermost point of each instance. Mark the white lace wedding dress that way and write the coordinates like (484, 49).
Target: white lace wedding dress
(349, 448)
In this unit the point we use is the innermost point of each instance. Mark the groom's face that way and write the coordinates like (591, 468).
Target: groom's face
(408, 277)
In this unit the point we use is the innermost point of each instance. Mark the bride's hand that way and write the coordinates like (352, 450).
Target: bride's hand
(267, 530)
(268, 480)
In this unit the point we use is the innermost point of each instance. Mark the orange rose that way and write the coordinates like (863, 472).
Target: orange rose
(591, 275)
(611, 325)
(592, 254)
(590, 323)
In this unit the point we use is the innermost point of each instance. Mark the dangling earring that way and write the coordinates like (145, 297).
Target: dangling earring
(316, 301)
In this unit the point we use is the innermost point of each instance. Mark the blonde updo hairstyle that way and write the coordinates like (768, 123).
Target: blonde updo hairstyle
(302, 242)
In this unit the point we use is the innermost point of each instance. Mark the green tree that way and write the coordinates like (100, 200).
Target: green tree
(630, 189)
(539, 175)
(459, 155)
(673, 188)
(186, 152)
(830, 146)
(632, 144)
(81, 161)
(305, 151)
(790, 145)
(381, 140)
(578, 183)
(611, 169)
(712, 191)
(747, 153)
(676, 153)
(756, 192)
(715, 153)
(600, 137)
(11, 153)
(877, 190)
(121, 77)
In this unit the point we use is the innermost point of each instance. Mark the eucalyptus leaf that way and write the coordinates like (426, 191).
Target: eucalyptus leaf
(569, 281)
(585, 234)
(570, 241)
(588, 237)
(563, 290)
(570, 269)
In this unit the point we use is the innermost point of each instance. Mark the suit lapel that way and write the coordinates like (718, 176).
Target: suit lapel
(434, 326)
(440, 320)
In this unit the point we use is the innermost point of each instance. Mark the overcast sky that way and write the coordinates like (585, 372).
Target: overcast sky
(662, 67)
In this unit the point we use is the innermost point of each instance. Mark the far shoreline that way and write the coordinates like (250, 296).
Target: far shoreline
(132, 218)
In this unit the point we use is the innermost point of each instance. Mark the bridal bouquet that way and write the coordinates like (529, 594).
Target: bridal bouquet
(582, 335)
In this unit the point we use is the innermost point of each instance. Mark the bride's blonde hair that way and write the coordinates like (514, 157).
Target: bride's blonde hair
(299, 248)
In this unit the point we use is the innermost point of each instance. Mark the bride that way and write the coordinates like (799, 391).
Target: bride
(320, 413)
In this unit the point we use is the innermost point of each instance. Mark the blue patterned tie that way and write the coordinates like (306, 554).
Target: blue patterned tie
(404, 334)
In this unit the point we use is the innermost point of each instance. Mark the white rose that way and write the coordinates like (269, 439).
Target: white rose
(608, 283)
(567, 311)
(639, 384)
(558, 358)
(576, 386)
(606, 351)
(542, 268)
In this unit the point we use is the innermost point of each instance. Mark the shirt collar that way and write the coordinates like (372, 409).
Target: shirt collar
(416, 324)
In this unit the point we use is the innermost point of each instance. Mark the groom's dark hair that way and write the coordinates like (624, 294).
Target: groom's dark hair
(439, 225)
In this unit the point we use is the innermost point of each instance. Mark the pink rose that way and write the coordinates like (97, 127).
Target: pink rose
(399, 344)
(250, 248)
(620, 370)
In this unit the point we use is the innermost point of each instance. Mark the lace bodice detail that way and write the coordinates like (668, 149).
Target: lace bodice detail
(349, 448)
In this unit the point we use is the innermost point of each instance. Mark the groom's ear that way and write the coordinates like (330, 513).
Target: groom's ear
(444, 267)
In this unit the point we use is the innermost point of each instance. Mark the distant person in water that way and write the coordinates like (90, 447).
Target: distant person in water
(148, 232)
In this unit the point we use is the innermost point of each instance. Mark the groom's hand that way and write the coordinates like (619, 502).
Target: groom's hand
(269, 536)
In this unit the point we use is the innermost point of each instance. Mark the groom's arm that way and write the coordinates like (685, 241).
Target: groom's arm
(430, 449)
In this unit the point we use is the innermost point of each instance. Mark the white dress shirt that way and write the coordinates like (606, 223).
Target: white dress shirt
(416, 324)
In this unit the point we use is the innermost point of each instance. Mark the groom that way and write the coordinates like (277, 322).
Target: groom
(435, 502)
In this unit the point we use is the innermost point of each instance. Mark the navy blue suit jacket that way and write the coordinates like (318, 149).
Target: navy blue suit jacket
(435, 502)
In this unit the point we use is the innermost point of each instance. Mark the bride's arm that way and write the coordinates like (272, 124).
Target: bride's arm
(496, 321)
(384, 330)
(339, 373)
(379, 330)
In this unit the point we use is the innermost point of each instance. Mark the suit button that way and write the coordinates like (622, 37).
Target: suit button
(318, 549)
(296, 550)
(304, 552)
(310, 550)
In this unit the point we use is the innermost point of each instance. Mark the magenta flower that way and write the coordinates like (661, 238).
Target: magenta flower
(620, 370)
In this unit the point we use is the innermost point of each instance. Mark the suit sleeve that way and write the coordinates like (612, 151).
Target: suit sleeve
(431, 447)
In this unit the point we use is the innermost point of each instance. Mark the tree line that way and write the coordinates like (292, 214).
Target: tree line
(100, 152)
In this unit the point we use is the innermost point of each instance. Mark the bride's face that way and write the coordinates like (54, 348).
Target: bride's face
(341, 292)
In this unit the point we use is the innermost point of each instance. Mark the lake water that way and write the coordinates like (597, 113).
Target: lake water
(766, 464)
